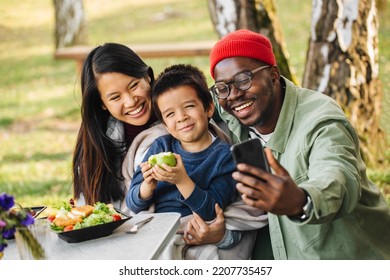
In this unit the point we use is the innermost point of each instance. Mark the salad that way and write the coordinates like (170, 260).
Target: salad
(69, 217)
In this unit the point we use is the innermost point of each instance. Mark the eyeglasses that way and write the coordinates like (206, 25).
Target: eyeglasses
(242, 81)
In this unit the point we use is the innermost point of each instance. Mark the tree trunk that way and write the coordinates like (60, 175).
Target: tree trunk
(259, 16)
(342, 62)
(70, 23)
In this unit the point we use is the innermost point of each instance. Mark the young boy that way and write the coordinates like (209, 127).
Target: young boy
(202, 176)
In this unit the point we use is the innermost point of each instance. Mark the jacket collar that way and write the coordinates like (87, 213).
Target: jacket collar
(283, 127)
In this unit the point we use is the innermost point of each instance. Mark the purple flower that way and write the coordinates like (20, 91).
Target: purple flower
(6, 201)
(10, 219)
(9, 233)
(29, 220)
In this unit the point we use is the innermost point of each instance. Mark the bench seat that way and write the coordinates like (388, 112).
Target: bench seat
(156, 50)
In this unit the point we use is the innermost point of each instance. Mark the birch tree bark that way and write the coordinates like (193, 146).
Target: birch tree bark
(70, 27)
(342, 62)
(256, 15)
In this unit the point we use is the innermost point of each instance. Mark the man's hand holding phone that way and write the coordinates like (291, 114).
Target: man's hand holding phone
(272, 192)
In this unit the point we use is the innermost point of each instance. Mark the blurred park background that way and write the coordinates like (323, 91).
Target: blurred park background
(40, 96)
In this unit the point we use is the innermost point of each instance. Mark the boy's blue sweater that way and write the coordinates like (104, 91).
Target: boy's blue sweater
(211, 170)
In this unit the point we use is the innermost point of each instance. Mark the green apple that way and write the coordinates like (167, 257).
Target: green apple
(166, 157)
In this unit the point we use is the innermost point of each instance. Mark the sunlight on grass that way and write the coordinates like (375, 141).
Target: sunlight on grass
(145, 23)
(28, 14)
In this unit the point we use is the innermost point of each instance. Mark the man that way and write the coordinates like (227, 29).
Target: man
(320, 203)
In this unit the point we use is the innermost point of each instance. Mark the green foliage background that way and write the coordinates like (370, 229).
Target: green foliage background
(40, 96)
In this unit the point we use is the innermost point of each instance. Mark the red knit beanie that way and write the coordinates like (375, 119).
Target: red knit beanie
(242, 43)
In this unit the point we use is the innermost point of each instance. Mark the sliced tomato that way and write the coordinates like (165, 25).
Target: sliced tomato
(51, 218)
(116, 217)
(68, 228)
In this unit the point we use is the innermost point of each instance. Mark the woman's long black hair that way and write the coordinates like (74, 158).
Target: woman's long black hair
(97, 158)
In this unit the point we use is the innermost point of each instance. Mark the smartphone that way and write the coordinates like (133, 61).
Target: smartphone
(250, 152)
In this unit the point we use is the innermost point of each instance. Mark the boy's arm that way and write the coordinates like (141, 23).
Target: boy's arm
(219, 189)
(134, 198)
(202, 201)
(149, 184)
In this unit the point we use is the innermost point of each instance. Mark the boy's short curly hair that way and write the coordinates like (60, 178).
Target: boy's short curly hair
(181, 75)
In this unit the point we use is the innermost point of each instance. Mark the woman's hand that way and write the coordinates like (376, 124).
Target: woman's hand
(198, 232)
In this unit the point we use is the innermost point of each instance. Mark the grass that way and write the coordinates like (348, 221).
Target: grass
(39, 108)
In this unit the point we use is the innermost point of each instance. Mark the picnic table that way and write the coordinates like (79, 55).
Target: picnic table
(147, 244)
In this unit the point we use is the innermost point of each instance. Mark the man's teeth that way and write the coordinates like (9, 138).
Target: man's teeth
(243, 106)
(136, 111)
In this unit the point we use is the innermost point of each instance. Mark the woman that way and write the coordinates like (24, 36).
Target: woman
(115, 108)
